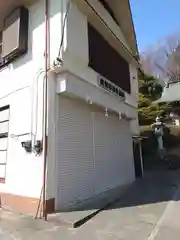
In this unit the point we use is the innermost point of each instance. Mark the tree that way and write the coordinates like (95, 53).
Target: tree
(149, 91)
(148, 62)
(163, 59)
(149, 86)
(163, 62)
(169, 60)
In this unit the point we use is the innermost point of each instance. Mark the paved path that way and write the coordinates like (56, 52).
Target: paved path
(150, 210)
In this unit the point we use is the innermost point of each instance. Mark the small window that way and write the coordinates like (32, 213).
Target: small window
(4, 130)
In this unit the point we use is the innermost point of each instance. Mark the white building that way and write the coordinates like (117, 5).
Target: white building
(89, 123)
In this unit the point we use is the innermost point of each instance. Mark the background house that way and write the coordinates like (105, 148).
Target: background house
(92, 101)
(170, 95)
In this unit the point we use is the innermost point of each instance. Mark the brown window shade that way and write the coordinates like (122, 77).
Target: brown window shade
(0, 47)
(105, 60)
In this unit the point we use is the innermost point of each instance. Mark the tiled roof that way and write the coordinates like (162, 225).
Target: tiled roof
(171, 93)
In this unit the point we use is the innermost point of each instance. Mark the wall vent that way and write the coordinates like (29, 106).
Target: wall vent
(111, 87)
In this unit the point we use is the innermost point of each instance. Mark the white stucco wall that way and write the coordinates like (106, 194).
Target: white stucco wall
(76, 78)
(22, 88)
(134, 98)
(76, 56)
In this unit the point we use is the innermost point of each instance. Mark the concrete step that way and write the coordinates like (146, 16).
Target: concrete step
(76, 216)
(73, 219)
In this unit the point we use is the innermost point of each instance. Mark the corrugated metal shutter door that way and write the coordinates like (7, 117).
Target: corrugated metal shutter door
(75, 163)
(111, 151)
(102, 142)
(128, 166)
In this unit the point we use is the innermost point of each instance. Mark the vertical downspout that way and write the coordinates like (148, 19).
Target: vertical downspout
(45, 108)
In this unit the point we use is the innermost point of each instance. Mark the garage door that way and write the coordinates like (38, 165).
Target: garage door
(75, 165)
(113, 152)
(95, 152)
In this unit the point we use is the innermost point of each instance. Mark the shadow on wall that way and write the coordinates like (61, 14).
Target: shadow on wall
(155, 187)
(36, 19)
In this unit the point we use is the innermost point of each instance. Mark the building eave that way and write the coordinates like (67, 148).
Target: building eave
(88, 8)
(122, 10)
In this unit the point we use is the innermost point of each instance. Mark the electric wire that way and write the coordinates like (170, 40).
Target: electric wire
(63, 28)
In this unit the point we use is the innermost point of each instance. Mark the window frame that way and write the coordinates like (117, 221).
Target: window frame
(8, 56)
(117, 69)
(4, 135)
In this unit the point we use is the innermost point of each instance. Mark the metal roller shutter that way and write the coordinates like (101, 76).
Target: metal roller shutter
(75, 163)
(95, 152)
(110, 151)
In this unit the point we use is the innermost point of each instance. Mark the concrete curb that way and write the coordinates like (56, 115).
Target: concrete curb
(78, 218)
(93, 214)
(85, 216)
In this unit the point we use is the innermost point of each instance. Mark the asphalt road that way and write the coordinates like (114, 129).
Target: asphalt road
(5, 235)
(149, 211)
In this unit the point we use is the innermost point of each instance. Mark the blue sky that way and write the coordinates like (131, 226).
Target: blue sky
(154, 20)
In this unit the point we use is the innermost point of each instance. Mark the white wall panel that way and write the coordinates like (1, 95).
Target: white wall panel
(3, 143)
(4, 115)
(4, 127)
(2, 171)
(3, 156)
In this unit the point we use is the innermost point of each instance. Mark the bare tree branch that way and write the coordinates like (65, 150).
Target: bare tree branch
(163, 60)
